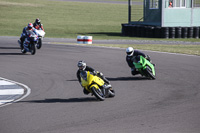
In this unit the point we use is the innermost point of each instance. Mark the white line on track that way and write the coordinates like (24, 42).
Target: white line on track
(5, 101)
(24, 89)
(12, 92)
(3, 82)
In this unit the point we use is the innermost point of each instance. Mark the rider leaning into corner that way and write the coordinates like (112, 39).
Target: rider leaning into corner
(37, 24)
(83, 67)
(25, 32)
(133, 55)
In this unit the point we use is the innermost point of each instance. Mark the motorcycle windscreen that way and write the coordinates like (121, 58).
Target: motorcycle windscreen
(40, 32)
(83, 75)
(138, 64)
(86, 78)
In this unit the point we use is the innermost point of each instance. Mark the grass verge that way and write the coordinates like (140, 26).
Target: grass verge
(62, 19)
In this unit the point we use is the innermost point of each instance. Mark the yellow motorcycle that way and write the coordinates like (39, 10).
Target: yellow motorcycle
(95, 85)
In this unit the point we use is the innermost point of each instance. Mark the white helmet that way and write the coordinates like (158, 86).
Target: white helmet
(129, 51)
(81, 65)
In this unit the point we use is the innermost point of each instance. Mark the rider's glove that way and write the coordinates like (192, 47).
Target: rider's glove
(147, 57)
(94, 73)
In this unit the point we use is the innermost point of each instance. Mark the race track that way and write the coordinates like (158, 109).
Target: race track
(169, 104)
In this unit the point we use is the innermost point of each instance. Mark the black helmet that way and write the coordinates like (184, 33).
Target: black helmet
(37, 21)
(81, 65)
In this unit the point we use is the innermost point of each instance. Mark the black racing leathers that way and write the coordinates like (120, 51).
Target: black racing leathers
(130, 59)
(79, 77)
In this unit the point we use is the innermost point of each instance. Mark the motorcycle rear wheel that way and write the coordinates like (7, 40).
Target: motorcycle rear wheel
(39, 45)
(98, 93)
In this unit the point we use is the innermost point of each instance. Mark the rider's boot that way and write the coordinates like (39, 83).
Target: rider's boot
(19, 42)
(85, 91)
(134, 72)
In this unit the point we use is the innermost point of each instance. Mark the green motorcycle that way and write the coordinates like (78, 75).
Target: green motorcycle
(145, 67)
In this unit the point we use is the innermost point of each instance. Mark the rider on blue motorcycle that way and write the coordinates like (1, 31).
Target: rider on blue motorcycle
(134, 55)
(25, 33)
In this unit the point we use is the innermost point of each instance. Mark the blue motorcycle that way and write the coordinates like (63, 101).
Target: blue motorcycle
(30, 43)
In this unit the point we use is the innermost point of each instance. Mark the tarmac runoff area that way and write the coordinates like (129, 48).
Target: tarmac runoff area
(11, 91)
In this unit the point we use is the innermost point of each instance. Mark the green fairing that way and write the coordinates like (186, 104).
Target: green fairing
(141, 65)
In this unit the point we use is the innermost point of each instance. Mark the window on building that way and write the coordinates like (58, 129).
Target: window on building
(179, 3)
(154, 4)
(196, 3)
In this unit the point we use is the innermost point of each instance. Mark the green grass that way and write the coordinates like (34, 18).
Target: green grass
(179, 48)
(63, 19)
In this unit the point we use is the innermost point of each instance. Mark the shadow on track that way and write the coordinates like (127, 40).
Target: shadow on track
(72, 80)
(11, 54)
(70, 100)
(127, 78)
(9, 48)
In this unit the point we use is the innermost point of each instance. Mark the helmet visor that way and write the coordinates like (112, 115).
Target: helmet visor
(129, 53)
(81, 67)
(83, 74)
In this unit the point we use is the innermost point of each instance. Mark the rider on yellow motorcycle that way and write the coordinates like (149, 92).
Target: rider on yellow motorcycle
(83, 67)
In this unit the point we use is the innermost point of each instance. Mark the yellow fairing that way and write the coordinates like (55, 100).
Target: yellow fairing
(91, 79)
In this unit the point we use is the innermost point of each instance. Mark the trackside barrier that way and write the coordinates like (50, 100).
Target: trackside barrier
(160, 32)
(84, 39)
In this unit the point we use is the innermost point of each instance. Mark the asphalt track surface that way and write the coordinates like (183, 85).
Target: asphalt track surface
(169, 104)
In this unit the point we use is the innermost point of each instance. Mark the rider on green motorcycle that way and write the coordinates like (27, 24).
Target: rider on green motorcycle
(83, 67)
(134, 55)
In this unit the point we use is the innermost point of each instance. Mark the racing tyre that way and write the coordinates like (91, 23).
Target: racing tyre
(39, 45)
(98, 93)
(111, 92)
(149, 72)
(33, 49)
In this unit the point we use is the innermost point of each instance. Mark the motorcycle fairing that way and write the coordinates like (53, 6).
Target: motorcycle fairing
(143, 63)
(88, 80)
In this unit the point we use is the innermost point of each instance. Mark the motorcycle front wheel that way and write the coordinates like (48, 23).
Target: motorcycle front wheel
(98, 93)
(149, 72)
(33, 49)
(111, 92)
